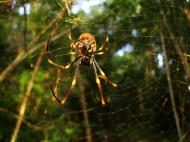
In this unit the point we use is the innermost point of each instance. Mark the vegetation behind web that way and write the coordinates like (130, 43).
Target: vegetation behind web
(148, 56)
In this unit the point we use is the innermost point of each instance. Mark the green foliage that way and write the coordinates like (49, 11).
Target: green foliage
(140, 108)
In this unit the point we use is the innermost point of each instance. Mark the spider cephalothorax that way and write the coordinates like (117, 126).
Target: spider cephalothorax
(85, 46)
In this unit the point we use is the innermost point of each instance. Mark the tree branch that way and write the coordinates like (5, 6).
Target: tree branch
(32, 47)
(26, 97)
(85, 113)
(23, 54)
(30, 125)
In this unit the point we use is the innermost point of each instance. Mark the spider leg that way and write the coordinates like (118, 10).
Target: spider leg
(99, 85)
(56, 83)
(62, 101)
(72, 41)
(103, 75)
(103, 48)
(55, 64)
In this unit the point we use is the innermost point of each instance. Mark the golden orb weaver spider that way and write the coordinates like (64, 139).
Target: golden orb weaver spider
(85, 46)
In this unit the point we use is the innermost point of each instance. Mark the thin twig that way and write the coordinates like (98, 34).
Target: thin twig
(7, 2)
(170, 86)
(26, 97)
(59, 16)
(25, 26)
(29, 124)
(177, 45)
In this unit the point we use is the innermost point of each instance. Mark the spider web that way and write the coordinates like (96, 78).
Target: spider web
(140, 109)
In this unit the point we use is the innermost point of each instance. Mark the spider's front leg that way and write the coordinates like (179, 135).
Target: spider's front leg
(55, 64)
(56, 83)
(62, 101)
(103, 48)
(72, 42)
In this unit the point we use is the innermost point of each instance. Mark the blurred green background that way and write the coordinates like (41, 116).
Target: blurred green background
(148, 56)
